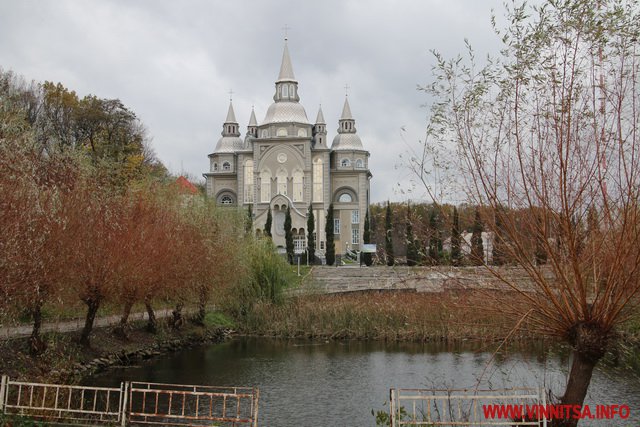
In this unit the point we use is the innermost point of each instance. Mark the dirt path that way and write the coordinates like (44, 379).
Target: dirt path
(77, 324)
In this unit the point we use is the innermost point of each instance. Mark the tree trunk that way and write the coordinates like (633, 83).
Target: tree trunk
(590, 344)
(178, 319)
(152, 323)
(123, 326)
(92, 310)
(202, 306)
(36, 344)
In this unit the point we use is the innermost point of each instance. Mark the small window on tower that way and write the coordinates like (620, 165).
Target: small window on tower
(285, 91)
(345, 198)
(226, 166)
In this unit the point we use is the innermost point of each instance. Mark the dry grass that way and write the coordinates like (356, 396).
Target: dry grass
(453, 315)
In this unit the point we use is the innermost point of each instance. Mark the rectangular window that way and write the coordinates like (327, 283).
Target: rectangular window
(336, 226)
(282, 187)
(355, 236)
(248, 193)
(322, 245)
(298, 244)
(298, 191)
(355, 217)
(266, 190)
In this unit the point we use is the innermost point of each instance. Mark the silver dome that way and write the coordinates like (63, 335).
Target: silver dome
(347, 141)
(285, 112)
(229, 144)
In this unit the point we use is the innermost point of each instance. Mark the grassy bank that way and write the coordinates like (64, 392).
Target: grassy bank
(66, 360)
(453, 315)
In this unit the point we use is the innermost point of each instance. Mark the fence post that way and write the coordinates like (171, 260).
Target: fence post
(256, 402)
(392, 408)
(125, 398)
(3, 389)
(544, 405)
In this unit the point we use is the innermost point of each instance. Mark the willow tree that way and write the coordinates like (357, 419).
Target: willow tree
(550, 129)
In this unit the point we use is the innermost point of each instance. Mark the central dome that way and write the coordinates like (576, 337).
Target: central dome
(285, 112)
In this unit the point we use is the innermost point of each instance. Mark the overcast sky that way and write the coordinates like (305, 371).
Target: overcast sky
(174, 62)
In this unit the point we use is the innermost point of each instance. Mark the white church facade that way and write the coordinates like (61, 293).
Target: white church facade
(286, 160)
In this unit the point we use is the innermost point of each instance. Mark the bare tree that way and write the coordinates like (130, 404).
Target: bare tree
(547, 133)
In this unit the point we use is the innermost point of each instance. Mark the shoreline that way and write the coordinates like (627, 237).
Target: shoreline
(385, 317)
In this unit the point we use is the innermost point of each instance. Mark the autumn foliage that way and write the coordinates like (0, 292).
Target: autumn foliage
(87, 216)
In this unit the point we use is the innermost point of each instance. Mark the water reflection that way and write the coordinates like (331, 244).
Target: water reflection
(305, 383)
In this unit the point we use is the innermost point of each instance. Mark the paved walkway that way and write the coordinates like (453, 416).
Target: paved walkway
(77, 324)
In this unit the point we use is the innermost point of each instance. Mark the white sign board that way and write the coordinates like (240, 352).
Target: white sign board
(369, 248)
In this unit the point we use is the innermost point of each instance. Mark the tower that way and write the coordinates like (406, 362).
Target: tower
(285, 162)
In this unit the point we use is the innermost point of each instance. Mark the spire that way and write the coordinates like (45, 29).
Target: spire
(231, 115)
(230, 127)
(252, 127)
(252, 119)
(346, 110)
(346, 123)
(286, 69)
(320, 118)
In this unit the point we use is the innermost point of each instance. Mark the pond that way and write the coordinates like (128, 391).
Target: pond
(339, 383)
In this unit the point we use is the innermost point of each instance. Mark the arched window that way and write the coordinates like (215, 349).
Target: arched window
(359, 164)
(302, 132)
(265, 133)
(226, 200)
(292, 90)
(248, 181)
(265, 186)
(281, 178)
(345, 163)
(281, 132)
(298, 186)
(317, 180)
(285, 91)
(345, 198)
(226, 166)
(215, 167)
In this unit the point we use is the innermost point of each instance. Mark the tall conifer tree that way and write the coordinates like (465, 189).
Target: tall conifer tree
(311, 241)
(366, 238)
(267, 224)
(388, 236)
(477, 248)
(412, 249)
(328, 229)
(288, 236)
(456, 254)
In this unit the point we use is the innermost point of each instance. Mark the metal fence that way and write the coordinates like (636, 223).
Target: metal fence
(173, 404)
(463, 407)
(56, 403)
(134, 403)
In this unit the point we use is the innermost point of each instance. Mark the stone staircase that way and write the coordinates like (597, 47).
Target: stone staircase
(333, 280)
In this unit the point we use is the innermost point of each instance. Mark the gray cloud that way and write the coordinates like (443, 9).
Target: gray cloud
(174, 62)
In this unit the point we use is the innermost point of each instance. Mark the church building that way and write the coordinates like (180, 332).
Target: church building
(286, 160)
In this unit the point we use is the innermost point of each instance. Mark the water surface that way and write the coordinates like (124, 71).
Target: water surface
(304, 383)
